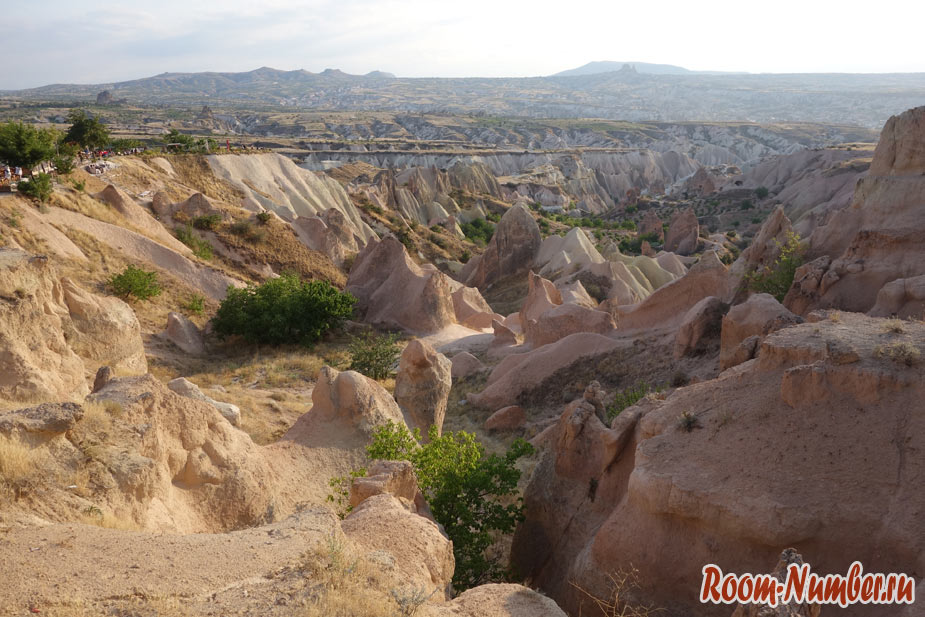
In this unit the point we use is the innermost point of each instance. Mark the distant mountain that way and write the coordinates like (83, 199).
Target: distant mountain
(608, 66)
(629, 93)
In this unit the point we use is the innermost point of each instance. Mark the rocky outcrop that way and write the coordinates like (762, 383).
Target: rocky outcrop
(877, 239)
(560, 253)
(471, 309)
(701, 327)
(422, 386)
(666, 478)
(46, 419)
(496, 600)
(667, 305)
(424, 305)
(651, 224)
(760, 315)
(465, 364)
(683, 233)
(519, 374)
(903, 298)
(511, 249)
(185, 387)
(506, 419)
(184, 334)
(762, 252)
(566, 319)
(330, 234)
(52, 332)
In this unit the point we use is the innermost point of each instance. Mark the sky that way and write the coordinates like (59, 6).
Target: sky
(97, 41)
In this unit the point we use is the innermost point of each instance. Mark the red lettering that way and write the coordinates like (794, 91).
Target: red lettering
(796, 582)
(709, 589)
(730, 585)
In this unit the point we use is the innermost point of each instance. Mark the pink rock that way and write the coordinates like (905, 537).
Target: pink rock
(506, 419)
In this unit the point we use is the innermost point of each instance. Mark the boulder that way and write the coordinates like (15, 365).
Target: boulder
(575, 293)
(701, 325)
(760, 315)
(471, 309)
(184, 334)
(763, 251)
(185, 387)
(36, 361)
(424, 306)
(903, 298)
(421, 552)
(103, 330)
(422, 386)
(330, 233)
(503, 335)
(47, 418)
(495, 600)
(507, 418)
(683, 233)
(465, 364)
(510, 251)
(394, 477)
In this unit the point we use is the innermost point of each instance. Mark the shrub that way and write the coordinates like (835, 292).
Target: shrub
(628, 397)
(79, 185)
(761, 192)
(247, 231)
(64, 163)
(39, 187)
(207, 221)
(264, 217)
(283, 310)
(469, 492)
(688, 421)
(465, 257)
(85, 130)
(902, 353)
(135, 282)
(24, 145)
(374, 355)
(777, 278)
(201, 248)
(196, 304)
(746, 205)
(478, 231)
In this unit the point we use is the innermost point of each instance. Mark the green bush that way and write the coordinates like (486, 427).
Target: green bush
(777, 278)
(85, 130)
(135, 282)
(761, 192)
(201, 248)
(79, 185)
(264, 217)
(64, 164)
(246, 230)
(628, 397)
(283, 310)
(196, 304)
(478, 231)
(40, 187)
(207, 221)
(374, 355)
(469, 492)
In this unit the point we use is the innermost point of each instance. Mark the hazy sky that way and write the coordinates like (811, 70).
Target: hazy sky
(95, 41)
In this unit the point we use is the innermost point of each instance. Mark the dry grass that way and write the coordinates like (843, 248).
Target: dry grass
(108, 520)
(98, 416)
(618, 601)
(900, 352)
(346, 585)
(20, 467)
(892, 326)
(141, 606)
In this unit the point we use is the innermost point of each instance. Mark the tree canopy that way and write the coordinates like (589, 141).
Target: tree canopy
(86, 131)
(25, 145)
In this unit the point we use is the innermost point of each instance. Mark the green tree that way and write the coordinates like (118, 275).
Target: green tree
(470, 493)
(777, 278)
(86, 131)
(38, 187)
(135, 282)
(374, 355)
(24, 145)
(283, 310)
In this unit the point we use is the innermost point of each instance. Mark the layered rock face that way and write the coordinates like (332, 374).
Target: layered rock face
(52, 332)
(878, 239)
(808, 445)
(330, 234)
